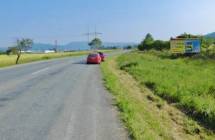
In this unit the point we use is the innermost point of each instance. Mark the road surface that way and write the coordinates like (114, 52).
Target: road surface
(61, 99)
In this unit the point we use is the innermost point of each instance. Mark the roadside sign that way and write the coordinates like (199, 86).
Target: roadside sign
(182, 46)
(177, 46)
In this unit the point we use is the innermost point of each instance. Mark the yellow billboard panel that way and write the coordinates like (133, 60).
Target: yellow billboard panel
(177, 46)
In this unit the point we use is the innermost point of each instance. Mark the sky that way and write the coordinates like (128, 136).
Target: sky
(118, 20)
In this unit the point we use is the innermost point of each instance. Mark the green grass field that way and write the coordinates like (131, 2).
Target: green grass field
(146, 115)
(187, 82)
(8, 60)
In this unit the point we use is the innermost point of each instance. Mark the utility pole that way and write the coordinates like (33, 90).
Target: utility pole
(56, 46)
(96, 33)
(88, 34)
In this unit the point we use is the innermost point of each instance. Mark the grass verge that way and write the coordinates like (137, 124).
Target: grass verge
(146, 115)
(187, 82)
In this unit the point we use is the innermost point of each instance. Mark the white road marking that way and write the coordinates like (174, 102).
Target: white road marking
(39, 71)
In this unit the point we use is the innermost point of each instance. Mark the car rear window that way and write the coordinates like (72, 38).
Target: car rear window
(93, 55)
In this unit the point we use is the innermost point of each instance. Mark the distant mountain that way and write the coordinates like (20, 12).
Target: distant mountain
(78, 45)
(210, 35)
(3, 49)
(75, 46)
(118, 44)
(41, 47)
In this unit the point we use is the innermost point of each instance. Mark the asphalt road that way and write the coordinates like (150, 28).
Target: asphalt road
(62, 99)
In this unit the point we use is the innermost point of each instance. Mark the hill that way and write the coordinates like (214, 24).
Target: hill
(75, 46)
(210, 35)
(3, 49)
(72, 46)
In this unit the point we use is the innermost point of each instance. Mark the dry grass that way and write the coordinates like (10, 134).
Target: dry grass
(6, 60)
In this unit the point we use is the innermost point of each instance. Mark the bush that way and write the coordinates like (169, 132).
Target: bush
(161, 45)
(156, 45)
(148, 43)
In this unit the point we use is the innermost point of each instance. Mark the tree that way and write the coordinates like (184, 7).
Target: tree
(11, 50)
(207, 42)
(95, 43)
(186, 35)
(148, 39)
(128, 47)
(147, 43)
(208, 45)
(21, 45)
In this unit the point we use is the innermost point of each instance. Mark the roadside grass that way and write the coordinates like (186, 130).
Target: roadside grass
(186, 82)
(146, 115)
(8, 60)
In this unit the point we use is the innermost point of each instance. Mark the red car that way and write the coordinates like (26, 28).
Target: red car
(94, 58)
(102, 55)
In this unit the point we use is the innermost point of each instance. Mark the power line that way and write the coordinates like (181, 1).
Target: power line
(95, 34)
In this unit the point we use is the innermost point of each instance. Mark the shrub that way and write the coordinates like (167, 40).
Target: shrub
(148, 43)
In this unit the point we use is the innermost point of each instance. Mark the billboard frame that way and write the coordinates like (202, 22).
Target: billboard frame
(185, 45)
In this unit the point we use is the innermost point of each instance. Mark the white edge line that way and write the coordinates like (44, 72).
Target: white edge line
(39, 71)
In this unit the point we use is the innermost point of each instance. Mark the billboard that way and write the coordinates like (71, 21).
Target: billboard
(183, 46)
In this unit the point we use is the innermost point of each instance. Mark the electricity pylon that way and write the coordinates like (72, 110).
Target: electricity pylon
(95, 34)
